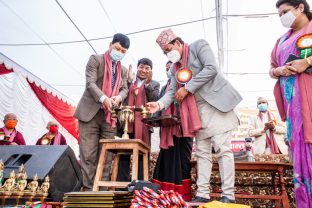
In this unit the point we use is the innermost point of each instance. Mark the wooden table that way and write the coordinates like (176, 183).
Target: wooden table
(264, 167)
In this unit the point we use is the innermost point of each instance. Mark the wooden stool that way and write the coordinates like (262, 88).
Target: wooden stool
(121, 146)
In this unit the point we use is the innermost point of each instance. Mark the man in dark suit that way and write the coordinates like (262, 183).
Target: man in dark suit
(141, 91)
(106, 85)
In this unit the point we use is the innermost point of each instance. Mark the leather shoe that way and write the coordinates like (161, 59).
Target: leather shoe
(199, 199)
(225, 199)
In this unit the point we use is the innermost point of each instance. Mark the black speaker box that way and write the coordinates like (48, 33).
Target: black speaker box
(58, 162)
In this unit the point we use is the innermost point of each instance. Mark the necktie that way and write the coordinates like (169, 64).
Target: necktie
(113, 74)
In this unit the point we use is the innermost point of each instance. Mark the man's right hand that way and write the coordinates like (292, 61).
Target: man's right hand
(107, 104)
(152, 107)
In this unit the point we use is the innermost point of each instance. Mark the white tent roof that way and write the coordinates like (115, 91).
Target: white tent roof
(40, 36)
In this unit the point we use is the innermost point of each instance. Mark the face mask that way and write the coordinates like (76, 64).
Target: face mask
(53, 129)
(263, 107)
(288, 19)
(174, 56)
(10, 124)
(116, 55)
(168, 73)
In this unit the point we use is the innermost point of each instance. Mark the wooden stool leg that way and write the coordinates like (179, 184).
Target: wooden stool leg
(2, 201)
(99, 169)
(135, 164)
(17, 199)
(115, 167)
(275, 190)
(283, 190)
(145, 166)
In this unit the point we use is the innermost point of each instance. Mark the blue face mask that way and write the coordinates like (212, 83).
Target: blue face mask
(263, 107)
(116, 55)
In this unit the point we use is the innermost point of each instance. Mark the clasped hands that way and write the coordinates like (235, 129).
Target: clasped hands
(291, 68)
(269, 126)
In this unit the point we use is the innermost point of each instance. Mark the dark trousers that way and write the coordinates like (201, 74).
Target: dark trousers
(124, 164)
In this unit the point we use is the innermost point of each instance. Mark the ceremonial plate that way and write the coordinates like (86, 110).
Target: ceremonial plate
(45, 141)
(304, 41)
(2, 136)
(183, 75)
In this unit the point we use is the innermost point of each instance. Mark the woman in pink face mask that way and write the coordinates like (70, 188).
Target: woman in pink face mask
(53, 136)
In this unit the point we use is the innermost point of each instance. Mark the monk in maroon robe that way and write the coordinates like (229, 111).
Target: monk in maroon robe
(8, 134)
(53, 136)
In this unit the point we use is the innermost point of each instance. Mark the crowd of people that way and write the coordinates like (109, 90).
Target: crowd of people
(198, 93)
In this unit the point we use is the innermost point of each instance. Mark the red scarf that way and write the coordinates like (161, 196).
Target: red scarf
(107, 84)
(8, 134)
(188, 108)
(167, 133)
(140, 130)
(270, 139)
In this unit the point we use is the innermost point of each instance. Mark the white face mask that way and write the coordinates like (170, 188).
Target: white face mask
(288, 19)
(174, 56)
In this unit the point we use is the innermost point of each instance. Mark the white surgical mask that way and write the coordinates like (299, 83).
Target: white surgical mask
(116, 55)
(174, 56)
(288, 19)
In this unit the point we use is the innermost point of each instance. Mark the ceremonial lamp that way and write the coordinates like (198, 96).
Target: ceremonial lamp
(125, 114)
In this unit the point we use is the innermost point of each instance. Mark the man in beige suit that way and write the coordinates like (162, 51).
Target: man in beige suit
(106, 85)
(268, 131)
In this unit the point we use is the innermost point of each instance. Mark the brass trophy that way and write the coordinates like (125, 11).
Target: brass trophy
(125, 114)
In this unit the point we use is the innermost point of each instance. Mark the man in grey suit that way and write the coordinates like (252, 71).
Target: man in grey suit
(215, 98)
(106, 85)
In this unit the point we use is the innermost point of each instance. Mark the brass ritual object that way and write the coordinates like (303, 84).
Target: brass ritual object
(44, 188)
(1, 172)
(32, 186)
(125, 114)
(8, 185)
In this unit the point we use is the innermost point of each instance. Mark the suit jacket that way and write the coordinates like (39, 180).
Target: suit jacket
(152, 91)
(255, 130)
(89, 103)
(207, 80)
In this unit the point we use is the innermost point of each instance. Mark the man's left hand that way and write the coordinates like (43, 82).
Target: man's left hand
(149, 77)
(116, 100)
(181, 94)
